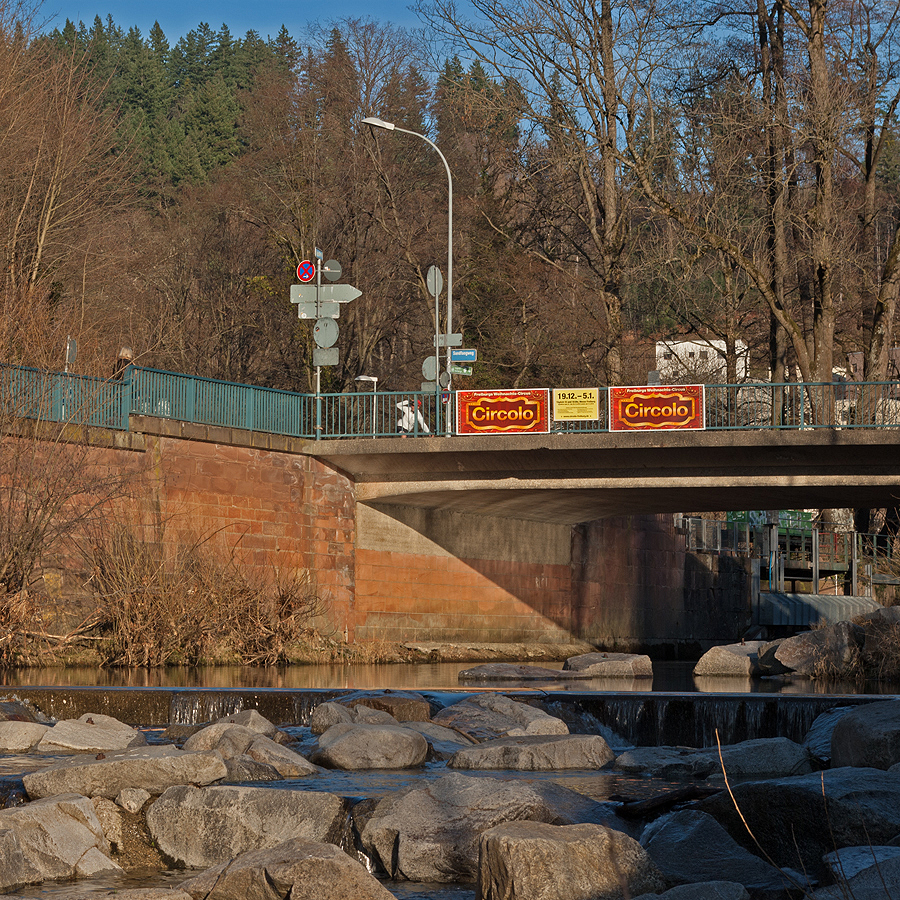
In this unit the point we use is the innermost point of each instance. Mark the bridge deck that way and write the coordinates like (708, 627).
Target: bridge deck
(579, 477)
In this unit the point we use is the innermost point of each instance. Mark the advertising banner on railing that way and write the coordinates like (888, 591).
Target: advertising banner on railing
(656, 408)
(503, 412)
(576, 404)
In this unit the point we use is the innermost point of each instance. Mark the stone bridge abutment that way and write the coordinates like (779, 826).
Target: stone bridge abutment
(509, 540)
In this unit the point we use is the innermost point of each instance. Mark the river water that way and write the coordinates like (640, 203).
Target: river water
(669, 677)
(672, 682)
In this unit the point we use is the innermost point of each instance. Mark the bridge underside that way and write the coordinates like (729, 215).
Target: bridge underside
(576, 478)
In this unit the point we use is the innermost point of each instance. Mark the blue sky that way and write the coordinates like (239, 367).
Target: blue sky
(266, 18)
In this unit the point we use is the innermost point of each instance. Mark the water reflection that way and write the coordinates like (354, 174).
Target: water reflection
(668, 677)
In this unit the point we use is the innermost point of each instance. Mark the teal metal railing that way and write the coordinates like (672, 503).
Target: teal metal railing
(27, 393)
(814, 405)
(61, 397)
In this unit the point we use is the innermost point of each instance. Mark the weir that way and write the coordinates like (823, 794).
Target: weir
(644, 718)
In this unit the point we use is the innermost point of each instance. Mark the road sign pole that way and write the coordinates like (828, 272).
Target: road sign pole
(318, 403)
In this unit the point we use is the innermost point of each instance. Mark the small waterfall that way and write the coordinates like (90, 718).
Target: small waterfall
(694, 720)
(193, 707)
(643, 719)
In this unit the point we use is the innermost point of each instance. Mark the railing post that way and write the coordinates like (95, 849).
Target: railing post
(125, 399)
(815, 560)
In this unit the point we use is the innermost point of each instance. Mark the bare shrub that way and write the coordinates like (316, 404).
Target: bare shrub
(167, 597)
(880, 656)
(16, 617)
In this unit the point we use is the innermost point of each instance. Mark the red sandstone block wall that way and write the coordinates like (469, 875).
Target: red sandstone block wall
(621, 583)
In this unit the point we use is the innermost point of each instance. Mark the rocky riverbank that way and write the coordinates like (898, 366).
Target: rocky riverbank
(235, 804)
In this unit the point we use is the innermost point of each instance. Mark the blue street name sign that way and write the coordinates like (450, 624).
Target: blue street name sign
(461, 355)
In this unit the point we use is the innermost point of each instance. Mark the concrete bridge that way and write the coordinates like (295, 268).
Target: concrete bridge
(507, 539)
(491, 538)
(572, 478)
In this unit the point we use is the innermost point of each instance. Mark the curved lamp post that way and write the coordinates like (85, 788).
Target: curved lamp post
(390, 126)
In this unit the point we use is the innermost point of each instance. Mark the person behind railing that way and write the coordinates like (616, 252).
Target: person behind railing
(411, 420)
(123, 361)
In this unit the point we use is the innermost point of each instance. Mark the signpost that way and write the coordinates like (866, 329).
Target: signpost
(460, 370)
(322, 303)
(657, 408)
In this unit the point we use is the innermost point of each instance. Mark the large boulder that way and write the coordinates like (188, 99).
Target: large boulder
(227, 738)
(247, 749)
(59, 838)
(586, 862)
(879, 881)
(673, 763)
(350, 746)
(763, 756)
(17, 736)
(286, 762)
(869, 735)
(327, 714)
(252, 719)
(16, 869)
(536, 753)
(243, 769)
(487, 716)
(442, 742)
(798, 820)
(152, 768)
(431, 833)
(740, 660)
(404, 706)
(818, 739)
(201, 827)
(12, 710)
(490, 672)
(91, 733)
(691, 846)
(850, 861)
(297, 868)
(610, 665)
(829, 652)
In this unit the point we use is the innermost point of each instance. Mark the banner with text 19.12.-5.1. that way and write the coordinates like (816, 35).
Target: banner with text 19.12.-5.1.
(678, 407)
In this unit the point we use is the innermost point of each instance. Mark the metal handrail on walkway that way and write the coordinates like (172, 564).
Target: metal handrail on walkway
(109, 402)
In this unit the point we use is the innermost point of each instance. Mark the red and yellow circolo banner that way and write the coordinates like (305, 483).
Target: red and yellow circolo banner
(503, 412)
(656, 408)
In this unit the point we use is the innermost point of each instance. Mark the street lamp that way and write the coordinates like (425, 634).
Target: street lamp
(374, 380)
(390, 126)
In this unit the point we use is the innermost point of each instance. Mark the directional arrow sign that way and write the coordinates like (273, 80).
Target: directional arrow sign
(327, 293)
(338, 293)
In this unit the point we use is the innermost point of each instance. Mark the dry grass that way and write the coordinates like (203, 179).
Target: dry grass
(167, 598)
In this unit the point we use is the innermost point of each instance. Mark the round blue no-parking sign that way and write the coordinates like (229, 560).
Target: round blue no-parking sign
(306, 271)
